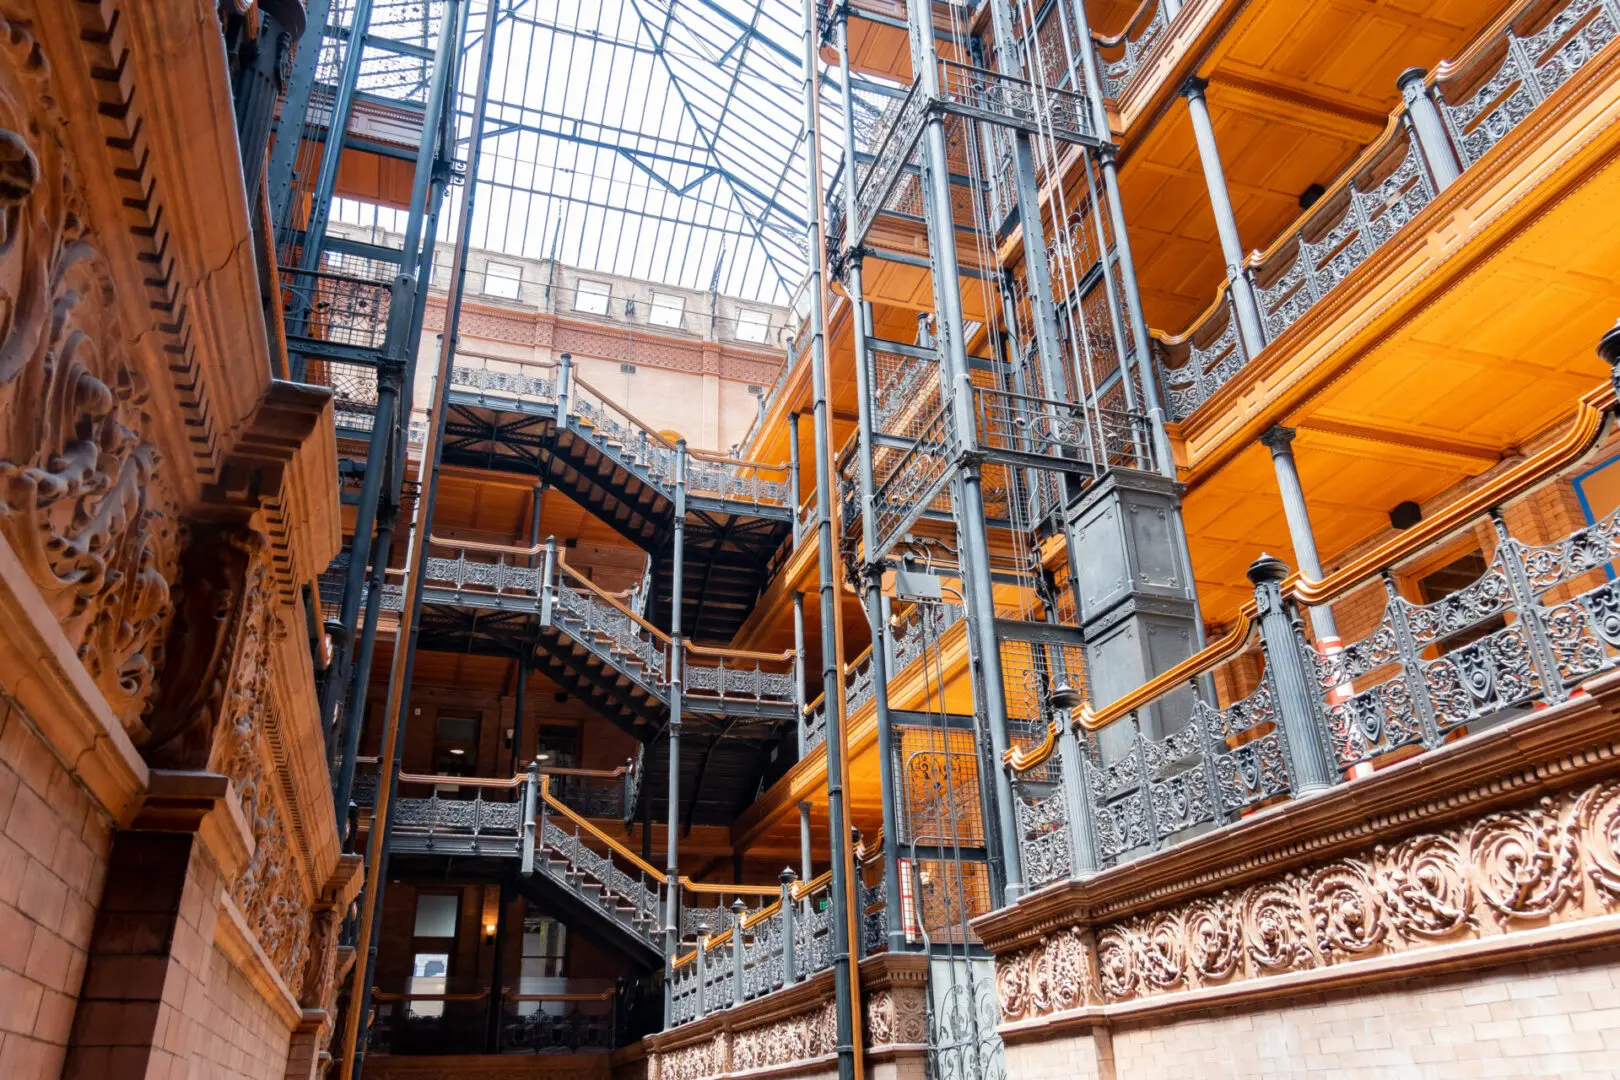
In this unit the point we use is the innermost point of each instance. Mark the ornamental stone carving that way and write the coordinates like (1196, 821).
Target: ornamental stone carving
(81, 501)
(1553, 861)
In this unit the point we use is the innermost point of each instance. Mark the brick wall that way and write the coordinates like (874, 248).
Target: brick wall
(1545, 1018)
(238, 1036)
(53, 858)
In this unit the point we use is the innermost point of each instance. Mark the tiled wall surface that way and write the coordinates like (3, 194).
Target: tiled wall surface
(53, 858)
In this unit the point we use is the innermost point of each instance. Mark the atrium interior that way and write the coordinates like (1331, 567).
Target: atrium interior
(718, 539)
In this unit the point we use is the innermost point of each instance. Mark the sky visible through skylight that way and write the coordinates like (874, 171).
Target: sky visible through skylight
(655, 139)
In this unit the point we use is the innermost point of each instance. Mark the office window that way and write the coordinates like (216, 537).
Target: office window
(436, 915)
(502, 280)
(591, 297)
(545, 946)
(455, 745)
(429, 975)
(667, 311)
(753, 326)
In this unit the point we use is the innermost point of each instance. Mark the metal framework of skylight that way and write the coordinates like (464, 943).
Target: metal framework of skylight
(653, 139)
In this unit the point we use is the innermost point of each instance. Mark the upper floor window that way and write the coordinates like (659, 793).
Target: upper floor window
(503, 280)
(753, 326)
(591, 297)
(667, 311)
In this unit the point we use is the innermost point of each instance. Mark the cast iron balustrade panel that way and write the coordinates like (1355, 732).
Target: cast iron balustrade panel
(1358, 218)
(1530, 69)
(1120, 74)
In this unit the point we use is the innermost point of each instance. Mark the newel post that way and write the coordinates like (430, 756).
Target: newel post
(788, 877)
(1292, 685)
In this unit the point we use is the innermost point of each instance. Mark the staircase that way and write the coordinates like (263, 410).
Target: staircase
(542, 420)
(593, 643)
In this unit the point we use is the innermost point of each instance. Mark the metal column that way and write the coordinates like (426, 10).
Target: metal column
(871, 586)
(1248, 311)
(351, 1050)
(1280, 441)
(672, 890)
(845, 974)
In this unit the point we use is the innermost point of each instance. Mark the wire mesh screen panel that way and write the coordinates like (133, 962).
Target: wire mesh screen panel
(939, 786)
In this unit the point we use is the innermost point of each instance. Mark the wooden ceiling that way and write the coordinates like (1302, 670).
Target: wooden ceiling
(1476, 375)
(1296, 91)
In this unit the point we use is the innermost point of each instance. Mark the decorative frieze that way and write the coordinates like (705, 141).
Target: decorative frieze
(1549, 861)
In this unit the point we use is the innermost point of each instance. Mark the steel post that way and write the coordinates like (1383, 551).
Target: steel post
(337, 130)
(351, 1054)
(280, 175)
(1297, 703)
(1428, 129)
(845, 974)
(672, 890)
(1280, 441)
(1209, 154)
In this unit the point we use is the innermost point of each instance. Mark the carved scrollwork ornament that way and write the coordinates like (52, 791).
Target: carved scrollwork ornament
(1070, 974)
(1597, 815)
(1012, 983)
(1345, 909)
(81, 501)
(1524, 861)
(1214, 939)
(1423, 882)
(1159, 943)
(1116, 964)
(1274, 927)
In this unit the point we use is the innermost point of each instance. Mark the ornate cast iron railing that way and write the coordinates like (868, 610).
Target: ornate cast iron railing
(461, 815)
(1204, 359)
(334, 308)
(632, 442)
(1521, 61)
(572, 1019)
(979, 93)
(1124, 54)
(772, 946)
(1164, 761)
(907, 644)
(721, 679)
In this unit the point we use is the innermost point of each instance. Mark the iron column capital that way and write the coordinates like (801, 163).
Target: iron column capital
(1280, 441)
(1194, 87)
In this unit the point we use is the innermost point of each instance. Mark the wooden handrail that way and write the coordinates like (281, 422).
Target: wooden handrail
(1585, 425)
(1488, 39)
(1198, 323)
(706, 888)
(1112, 41)
(562, 563)
(548, 365)
(459, 781)
(1373, 150)
(738, 654)
(386, 995)
(1025, 760)
(601, 774)
(486, 547)
(584, 823)
(626, 413)
(715, 458)
(509, 995)
(1190, 668)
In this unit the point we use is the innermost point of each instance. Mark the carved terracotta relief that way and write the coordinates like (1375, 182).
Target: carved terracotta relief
(81, 501)
(1556, 860)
